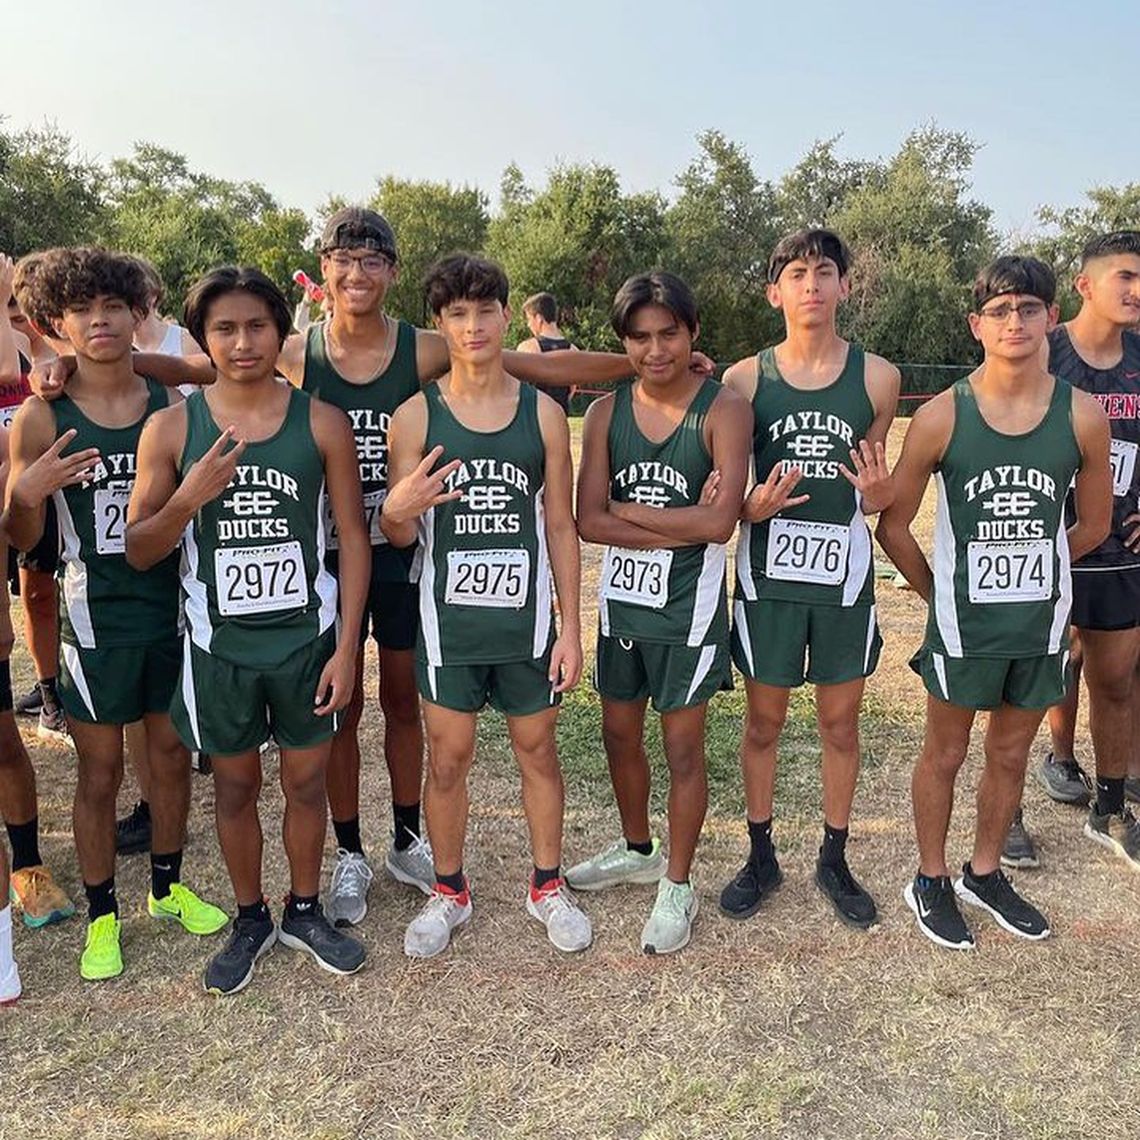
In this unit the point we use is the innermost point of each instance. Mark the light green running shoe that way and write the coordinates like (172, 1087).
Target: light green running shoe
(102, 958)
(617, 864)
(184, 906)
(670, 923)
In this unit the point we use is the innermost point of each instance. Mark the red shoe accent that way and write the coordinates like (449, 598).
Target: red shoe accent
(548, 888)
(462, 897)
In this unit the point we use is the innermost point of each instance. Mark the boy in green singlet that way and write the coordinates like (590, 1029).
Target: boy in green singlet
(664, 463)
(238, 475)
(805, 582)
(494, 522)
(1003, 446)
(119, 626)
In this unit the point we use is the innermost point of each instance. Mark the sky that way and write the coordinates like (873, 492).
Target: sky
(326, 96)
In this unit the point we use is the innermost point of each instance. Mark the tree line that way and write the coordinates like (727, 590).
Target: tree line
(918, 234)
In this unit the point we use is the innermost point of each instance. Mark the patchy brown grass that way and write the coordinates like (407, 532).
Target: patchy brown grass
(787, 1025)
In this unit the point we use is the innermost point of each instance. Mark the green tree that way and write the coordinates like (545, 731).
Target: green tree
(579, 237)
(721, 228)
(48, 195)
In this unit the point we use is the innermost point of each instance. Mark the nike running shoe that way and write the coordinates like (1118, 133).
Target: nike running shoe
(617, 864)
(182, 905)
(37, 895)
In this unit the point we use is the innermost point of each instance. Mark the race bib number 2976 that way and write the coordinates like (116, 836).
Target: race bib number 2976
(800, 551)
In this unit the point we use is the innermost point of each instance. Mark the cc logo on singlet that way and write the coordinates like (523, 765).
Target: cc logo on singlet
(809, 446)
(251, 502)
(1010, 504)
(481, 497)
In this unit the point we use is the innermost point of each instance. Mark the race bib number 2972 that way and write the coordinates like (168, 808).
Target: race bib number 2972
(260, 579)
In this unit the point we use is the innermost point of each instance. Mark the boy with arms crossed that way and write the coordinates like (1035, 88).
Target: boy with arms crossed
(493, 522)
(237, 474)
(1003, 445)
(805, 576)
(664, 463)
(118, 626)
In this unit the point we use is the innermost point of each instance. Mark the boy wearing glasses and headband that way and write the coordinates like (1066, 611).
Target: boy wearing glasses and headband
(1003, 445)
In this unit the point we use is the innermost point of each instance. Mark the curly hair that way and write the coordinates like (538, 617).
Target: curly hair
(60, 278)
(464, 277)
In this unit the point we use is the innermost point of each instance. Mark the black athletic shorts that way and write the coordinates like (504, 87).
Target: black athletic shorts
(1106, 599)
(44, 555)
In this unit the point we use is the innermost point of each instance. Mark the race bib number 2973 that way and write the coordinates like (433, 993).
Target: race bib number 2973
(636, 577)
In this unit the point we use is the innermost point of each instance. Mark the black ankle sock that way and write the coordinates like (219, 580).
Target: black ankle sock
(645, 848)
(407, 829)
(544, 875)
(834, 844)
(348, 834)
(760, 839)
(299, 905)
(164, 870)
(101, 899)
(969, 869)
(456, 882)
(1109, 795)
(142, 808)
(258, 911)
(25, 840)
(49, 692)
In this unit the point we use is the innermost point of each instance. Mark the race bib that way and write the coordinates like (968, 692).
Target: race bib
(800, 551)
(496, 579)
(111, 521)
(637, 577)
(1010, 571)
(260, 579)
(373, 501)
(1122, 457)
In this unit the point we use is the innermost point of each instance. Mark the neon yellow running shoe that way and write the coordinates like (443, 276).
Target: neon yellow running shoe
(102, 957)
(184, 906)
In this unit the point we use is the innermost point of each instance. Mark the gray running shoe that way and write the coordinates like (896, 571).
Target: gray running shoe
(617, 864)
(567, 927)
(670, 922)
(413, 865)
(1064, 781)
(429, 933)
(1120, 833)
(348, 889)
(1019, 849)
(53, 726)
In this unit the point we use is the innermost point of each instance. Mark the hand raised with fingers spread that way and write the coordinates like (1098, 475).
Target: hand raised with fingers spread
(773, 495)
(421, 489)
(210, 475)
(53, 471)
(871, 477)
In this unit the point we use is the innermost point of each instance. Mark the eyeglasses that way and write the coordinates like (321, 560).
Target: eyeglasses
(372, 263)
(1027, 311)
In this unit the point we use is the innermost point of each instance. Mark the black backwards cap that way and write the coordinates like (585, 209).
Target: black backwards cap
(357, 228)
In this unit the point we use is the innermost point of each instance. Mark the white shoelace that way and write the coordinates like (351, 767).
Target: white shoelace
(352, 872)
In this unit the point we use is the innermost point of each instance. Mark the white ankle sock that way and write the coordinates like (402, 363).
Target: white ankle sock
(5, 941)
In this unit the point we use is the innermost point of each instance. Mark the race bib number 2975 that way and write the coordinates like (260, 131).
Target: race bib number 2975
(496, 579)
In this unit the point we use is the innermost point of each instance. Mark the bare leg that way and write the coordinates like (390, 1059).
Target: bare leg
(1063, 716)
(1111, 658)
(532, 738)
(237, 785)
(623, 729)
(138, 753)
(932, 783)
(100, 751)
(763, 723)
(837, 711)
(169, 766)
(303, 782)
(342, 778)
(403, 728)
(684, 737)
(41, 621)
(451, 750)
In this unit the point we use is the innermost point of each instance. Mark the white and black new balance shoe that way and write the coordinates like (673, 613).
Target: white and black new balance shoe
(995, 893)
(937, 913)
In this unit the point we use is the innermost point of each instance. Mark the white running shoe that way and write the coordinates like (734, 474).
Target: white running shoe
(567, 926)
(670, 922)
(617, 864)
(10, 988)
(348, 890)
(429, 933)
(413, 865)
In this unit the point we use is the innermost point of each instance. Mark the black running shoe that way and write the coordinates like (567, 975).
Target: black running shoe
(1064, 781)
(1118, 831)
(31, 702)
(995, 893)
(231, 968)
(743, 897)
(937, 913)
(333, 950)
(132, 832)
(852, 903)
(1019, 849)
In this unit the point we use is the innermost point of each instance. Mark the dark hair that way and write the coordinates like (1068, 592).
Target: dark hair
(61, 277)
(802, 244)
(22, 275)
(543, 304)
(230, 279)
(656, 288)
(464, 277)
(1105, 245)
(1015, 274)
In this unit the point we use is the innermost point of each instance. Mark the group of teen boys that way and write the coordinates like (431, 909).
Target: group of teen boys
(224, 556)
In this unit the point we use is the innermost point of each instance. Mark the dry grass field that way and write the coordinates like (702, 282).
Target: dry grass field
(788, 1025)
